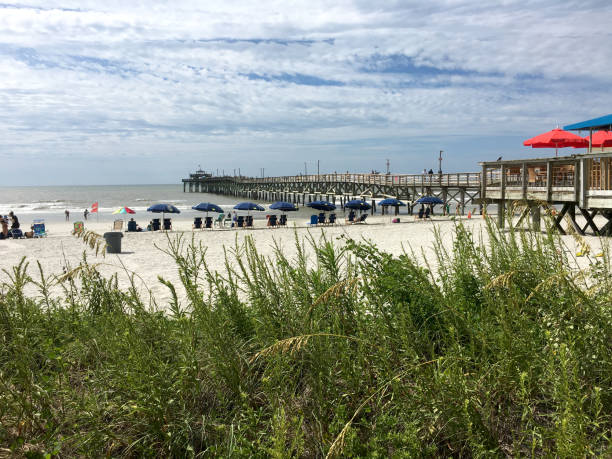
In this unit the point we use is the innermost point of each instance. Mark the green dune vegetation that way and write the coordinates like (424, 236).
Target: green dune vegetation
(498, 348)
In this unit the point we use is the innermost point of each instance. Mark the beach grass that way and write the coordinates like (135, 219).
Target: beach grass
(490, 349)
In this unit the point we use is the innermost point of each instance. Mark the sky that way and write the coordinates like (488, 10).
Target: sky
(141, 92)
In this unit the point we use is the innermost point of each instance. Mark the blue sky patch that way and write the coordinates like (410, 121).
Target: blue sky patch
(296, 78)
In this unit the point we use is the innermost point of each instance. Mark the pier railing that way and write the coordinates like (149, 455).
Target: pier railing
(464, 179)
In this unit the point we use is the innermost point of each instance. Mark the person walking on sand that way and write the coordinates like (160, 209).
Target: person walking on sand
(67, 214)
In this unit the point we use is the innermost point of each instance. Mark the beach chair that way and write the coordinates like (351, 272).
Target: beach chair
(332, 219)
(117, 225)
(428, 213)
(132, 227)
(197, 223)
(362, 218)
(351, 217)
(240, 221)
(248, 221)
(38, 227)
(321, 219)
(313, 220)
(155, 224)
(78, 227)
(283, 220)
(272, 221)
(208, 223)
(220, 220)
(167, 224)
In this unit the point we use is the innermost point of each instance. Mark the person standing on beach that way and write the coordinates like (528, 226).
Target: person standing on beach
(85, 214)
(67, 214)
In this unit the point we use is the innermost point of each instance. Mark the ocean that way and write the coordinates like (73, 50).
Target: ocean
(50, 202)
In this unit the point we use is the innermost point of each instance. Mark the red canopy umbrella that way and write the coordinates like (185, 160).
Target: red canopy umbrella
(601, 139)
(557, 138)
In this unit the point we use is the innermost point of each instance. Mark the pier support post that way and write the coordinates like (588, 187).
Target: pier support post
(501, 213)
(535, 218)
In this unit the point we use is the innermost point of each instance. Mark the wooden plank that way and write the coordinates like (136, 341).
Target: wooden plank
(589, 220)
(558, 218)
(572, 219)
(523, 215)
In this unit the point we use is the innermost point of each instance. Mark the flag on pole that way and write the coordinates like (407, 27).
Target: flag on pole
(94, 207)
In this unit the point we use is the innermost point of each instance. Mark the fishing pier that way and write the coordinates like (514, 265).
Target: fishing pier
(460, 189)
(580, 185)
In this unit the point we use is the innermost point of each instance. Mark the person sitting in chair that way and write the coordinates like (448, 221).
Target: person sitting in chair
(4, 228)
(14, 220)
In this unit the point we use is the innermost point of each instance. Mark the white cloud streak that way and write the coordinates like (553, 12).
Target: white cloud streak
(129, 78)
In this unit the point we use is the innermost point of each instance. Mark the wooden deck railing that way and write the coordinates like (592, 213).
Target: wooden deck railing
(469, 179)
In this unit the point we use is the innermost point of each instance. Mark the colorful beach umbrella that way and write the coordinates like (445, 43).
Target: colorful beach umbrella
(124, 210)
(557, 138)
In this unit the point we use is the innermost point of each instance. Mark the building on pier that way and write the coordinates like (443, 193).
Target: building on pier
(577, 183)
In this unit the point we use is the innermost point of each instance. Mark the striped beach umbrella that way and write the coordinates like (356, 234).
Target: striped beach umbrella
(124, 210)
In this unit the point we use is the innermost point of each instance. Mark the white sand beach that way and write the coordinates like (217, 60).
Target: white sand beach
(142, 253)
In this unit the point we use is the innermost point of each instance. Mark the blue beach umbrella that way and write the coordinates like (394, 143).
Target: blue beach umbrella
(391, 202)
(283, 206)
(163, 209)
(248, 206)
(358, 204)
(208, 207)
(429, 200)
(325, 206)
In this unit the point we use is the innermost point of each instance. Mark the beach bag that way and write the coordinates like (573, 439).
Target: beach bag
(16, 233)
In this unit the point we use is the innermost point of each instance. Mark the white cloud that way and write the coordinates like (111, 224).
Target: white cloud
(149, 78)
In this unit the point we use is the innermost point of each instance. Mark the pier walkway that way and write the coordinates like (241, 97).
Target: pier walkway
(565, 187)
(460, 189)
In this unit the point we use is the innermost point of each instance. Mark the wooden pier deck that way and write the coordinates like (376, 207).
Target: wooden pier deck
(579, 184)
(461, 189)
